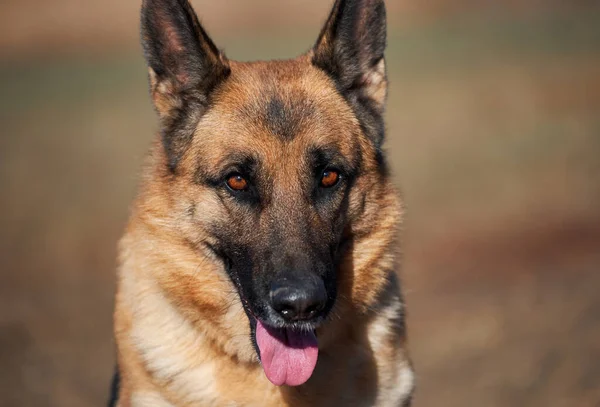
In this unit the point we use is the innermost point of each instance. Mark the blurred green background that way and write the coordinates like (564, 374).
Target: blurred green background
(493, 136)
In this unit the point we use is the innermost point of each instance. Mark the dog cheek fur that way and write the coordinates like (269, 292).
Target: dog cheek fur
(182, 269)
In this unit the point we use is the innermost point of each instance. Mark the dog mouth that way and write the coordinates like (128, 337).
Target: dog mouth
(288, 356)
(288, 353)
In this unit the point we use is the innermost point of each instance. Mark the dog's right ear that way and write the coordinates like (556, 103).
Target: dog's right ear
(182, 59)
(184, 66)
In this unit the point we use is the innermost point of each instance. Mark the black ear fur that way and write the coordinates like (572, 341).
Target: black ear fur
(350, 49)
(185, 66)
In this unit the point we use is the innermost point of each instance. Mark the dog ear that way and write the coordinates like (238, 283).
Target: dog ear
(185, 66)
(350, 49)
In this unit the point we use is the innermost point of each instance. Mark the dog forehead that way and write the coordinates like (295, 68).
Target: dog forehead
(277, 109)
(285, 115)
(282, 98)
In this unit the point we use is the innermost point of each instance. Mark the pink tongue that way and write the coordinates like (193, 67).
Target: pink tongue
(288, 357)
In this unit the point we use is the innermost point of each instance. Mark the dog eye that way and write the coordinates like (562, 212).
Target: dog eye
(237, 182)
(329, 178)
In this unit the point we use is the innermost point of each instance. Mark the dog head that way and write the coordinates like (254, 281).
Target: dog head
(275, 168)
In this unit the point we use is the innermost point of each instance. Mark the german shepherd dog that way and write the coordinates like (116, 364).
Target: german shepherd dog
(258, 267)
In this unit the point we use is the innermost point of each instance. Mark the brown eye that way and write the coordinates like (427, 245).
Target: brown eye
(329, 178)
(237, 182)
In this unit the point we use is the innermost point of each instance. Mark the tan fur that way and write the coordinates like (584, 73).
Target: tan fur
(181, 332)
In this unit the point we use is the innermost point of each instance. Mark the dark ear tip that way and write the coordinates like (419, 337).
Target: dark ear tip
(150, 4)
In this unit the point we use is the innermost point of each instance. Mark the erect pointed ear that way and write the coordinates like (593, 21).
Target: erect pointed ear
(185, 67)
(350, 49)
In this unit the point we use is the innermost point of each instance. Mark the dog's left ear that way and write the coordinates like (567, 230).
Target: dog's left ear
(350, 49)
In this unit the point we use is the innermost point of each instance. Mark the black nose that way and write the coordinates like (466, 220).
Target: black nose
(298, 299)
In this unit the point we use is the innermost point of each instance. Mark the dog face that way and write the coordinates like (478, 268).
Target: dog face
(272, 168)
(281, 175)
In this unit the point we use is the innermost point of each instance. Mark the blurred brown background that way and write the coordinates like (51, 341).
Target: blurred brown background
(494, 136)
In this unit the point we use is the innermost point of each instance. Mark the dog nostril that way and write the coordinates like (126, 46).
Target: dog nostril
(313, 309)
(286, 311)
